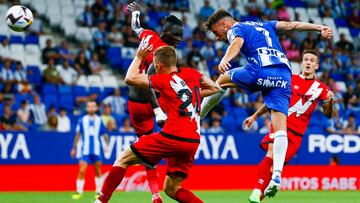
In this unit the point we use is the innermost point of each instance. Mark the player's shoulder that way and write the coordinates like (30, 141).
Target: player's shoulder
(321, 83)
(148, 32)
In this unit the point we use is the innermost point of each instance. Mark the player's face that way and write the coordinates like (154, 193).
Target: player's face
(174, 35)
(309, 64)
(91, 108)
(220, 31)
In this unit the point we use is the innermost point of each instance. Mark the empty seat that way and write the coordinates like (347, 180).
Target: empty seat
(110, 81)
(83, 34)
(94, 81)
(32, 39)
(82, 81)
(313, 12)
(16, 39)
(49, 89)
(80, 91)
(65, 90)
(127, 52)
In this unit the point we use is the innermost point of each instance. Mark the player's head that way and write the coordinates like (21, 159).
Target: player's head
(164, 59)
(219, 23)
(310, 62)
(172, 30)
(91, 107)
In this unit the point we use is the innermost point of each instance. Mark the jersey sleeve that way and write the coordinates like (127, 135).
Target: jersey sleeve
(271, 24)
(79, 126)
(324, 93)
(236, 31)
(147, 33)
(157, 81)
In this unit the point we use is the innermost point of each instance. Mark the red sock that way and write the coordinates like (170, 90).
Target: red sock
(111, 182)
(186, 196)
(264, 173)
(152, 179)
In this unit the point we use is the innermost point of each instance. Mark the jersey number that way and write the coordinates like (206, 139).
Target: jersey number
(188, 100)
(267, 35)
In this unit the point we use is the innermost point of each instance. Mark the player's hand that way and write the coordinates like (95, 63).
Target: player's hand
(224, 66)
(143, 50)
(330, 96)
(326, 32)
(73, 153)
(134, 6)
(249, 121)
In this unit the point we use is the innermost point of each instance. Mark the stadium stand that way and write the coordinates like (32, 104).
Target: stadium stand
(77, 21)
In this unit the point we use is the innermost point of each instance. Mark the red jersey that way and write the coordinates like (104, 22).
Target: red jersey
(153, 38)
(305, 94)
(181, 101)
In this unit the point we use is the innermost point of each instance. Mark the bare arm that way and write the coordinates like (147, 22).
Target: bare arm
(151, 93)
(208, 87)
(135, 9)
(133, 76)
(326, 31)
(249, 120)
(106, 138)
(232, 51)
(328, 106)
(73, 148)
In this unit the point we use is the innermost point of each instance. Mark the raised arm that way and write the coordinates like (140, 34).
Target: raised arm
(133, 76)
(232, 51)
(326, 31)
(135, 9)
(208, 87)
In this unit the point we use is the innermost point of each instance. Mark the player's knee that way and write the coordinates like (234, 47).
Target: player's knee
(170, 190)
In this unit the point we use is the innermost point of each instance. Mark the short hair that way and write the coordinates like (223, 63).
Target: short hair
(214, 18)
(170, 21)
(166, 55)
(314, 52)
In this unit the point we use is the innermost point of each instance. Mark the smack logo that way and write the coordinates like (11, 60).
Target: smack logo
(272, 82)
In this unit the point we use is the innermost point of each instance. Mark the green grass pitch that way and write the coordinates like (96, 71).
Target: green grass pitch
(207, 196)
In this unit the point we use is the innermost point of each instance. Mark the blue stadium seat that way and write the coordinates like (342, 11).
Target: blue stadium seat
(1, 108)
(49, 89)
(228, 123)
(34, 75)
(51, 100)
(16, 39)
(1, 86)
(2, 37)
(32, 39)
(354, 32)
(65, 90)
(341, 23)
(80, 91)
(95, 90)
(67, 102)
(125, 64)
(114, 56)
(108, 90)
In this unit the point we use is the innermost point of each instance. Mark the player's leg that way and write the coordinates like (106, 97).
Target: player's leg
(223, 82)
(264, 172)
(80, 181)
(152, 178)
(172, 187)
(116, 174)
(98, 180)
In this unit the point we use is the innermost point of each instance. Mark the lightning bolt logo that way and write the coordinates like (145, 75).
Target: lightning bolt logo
(300, 108)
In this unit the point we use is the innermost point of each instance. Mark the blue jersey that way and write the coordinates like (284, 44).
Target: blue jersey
(90, 129)
(261, 45)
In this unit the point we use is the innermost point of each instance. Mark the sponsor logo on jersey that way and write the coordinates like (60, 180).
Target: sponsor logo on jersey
(271, 52)
(272, 82)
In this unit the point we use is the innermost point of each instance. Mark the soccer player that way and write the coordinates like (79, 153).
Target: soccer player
(306, 91)
(89, 129)
(143, 104)
(268, 70)
(181, 90)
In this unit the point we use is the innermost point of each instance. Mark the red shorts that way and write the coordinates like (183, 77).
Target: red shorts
(141, 117)
(294, 143)
(178, 152)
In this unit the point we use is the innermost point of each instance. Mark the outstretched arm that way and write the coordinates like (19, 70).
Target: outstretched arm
(135, 9)
(232, 51)
(208, 87)
(249, 120)
(326, 31)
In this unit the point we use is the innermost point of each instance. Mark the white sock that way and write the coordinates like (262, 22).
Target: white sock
(279, 149)
(80, 185)
(98, 184)
(209, 102)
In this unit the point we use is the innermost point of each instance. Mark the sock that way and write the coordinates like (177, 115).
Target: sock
(111, 182)
(185, 196)
(209, 102)
(98, 183)
(264, 174)
(280, 148)
(152, 179)
(80, 185)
